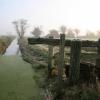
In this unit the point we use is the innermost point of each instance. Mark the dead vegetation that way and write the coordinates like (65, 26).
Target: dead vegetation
(4, 43)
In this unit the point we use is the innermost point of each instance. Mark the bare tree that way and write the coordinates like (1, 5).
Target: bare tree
(37, 32)
(20, 26)
(54, 33)
(90, 35)
(70, 33)
(63, 29)
(77, 31)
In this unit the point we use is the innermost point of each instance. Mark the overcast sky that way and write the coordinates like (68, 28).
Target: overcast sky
(82, 14)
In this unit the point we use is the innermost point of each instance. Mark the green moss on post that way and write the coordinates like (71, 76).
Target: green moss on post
(74, 70)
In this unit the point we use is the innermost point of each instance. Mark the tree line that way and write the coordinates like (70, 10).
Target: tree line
(22, 25)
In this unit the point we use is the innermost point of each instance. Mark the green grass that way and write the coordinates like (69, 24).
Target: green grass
(16, 80)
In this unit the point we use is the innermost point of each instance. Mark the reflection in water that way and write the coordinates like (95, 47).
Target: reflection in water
(13, 49)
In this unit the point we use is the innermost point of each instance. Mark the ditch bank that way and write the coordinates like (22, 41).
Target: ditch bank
(32, 54)
(5, 41)
(38, 58)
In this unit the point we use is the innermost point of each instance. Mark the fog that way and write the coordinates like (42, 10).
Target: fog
(50, 14)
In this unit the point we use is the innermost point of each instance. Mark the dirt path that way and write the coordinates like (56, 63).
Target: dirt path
(16, 80)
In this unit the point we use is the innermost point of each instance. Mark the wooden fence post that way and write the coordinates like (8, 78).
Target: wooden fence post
(74, 69)
(98, 60)
(50, 54)
(61, 57)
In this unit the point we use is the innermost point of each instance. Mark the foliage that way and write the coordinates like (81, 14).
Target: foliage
(54, 33)
(71, 92)
(76, 93)
(70, 34)
(37, 32)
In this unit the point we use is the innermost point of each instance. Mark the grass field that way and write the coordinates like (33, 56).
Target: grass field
(16, 80)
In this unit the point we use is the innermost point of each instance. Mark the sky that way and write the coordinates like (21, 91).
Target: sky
(50, 14)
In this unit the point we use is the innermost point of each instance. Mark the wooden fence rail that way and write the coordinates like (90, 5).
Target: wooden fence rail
(75, 54)
(55, 42)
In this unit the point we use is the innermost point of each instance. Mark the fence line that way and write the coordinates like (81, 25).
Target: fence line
(54, 42)
(75, 54)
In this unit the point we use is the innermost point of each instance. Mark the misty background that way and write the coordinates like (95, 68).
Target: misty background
(50, 14)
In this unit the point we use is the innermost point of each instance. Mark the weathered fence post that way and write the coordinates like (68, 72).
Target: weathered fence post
(61, 57)
(74, 70)
(50, 54)
(98, 60)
